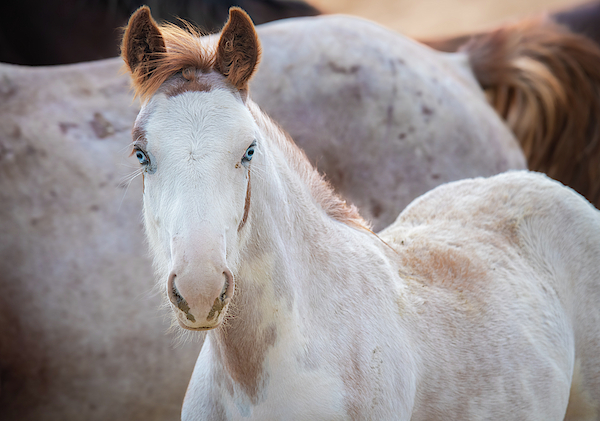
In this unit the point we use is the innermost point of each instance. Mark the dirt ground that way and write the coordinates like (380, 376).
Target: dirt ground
(436, 18)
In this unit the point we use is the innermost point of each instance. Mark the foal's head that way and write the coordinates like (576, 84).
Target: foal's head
(196, 141)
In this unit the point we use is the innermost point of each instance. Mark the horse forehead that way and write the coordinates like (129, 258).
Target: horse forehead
(199, 116)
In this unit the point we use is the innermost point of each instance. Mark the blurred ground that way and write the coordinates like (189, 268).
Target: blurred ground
(437, 18)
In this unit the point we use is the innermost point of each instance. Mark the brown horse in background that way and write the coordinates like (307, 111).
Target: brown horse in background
(538, 71)
(545, 70)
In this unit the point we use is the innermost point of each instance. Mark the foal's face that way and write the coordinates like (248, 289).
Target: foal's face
(197, 150)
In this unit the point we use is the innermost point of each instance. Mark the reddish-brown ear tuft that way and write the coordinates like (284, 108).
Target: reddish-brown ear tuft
(142, 45)
(238, 51)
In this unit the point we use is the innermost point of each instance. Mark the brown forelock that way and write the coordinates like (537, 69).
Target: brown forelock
(238, 51)
(184, 52)
(545, 82)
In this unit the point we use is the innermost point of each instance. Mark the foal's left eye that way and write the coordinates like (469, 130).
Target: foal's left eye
(249, 153)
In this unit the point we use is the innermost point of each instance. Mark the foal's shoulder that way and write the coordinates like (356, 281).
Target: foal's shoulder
(456, 235)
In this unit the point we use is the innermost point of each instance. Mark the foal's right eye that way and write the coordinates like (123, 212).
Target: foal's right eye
(141, 156)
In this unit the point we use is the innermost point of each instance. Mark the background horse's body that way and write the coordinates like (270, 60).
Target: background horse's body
(81, 334)
(479, 301)
(543, 80)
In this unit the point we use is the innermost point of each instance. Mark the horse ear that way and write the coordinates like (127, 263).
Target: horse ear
(142, 44)
(238, 51)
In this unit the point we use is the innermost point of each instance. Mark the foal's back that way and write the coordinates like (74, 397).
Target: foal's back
(504, 272)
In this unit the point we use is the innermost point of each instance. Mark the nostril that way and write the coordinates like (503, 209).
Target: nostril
(228, 286)
(176, 298)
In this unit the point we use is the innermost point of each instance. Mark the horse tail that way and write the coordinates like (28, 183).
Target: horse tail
(545, 82)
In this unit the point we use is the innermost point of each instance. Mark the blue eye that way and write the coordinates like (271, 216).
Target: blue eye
(141, 156)
(249, 152)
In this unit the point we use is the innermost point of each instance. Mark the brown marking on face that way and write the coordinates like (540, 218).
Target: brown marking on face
(188, 81)
(139, 137)
(192, 80)
(216, 309)
(246, 204)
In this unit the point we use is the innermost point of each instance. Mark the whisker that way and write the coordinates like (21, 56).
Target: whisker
(127, 182)
(130, 166)
(130, 177)
(128, 147)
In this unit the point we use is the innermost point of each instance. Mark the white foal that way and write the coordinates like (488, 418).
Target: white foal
(479, 302)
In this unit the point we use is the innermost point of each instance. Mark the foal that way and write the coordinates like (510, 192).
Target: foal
(480, 301)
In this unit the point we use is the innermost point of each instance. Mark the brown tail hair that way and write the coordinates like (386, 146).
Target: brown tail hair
(545, 82)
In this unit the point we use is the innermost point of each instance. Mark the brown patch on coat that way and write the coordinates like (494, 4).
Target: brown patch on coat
(545, 82)
(336, 68)
(443, 265)
(242, 347)
(66, 126)
(426, 110)
(101, 126)
(8, 88)
(355, 383)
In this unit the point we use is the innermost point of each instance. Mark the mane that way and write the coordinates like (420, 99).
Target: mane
(545, 82)
(321, 190)
(185, 49)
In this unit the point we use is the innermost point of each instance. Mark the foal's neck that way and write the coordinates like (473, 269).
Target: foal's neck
(299, 264)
